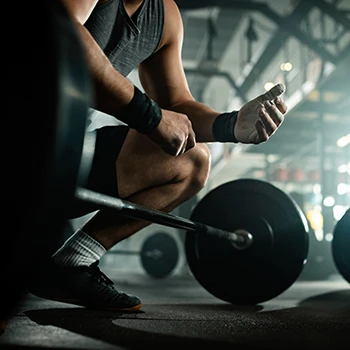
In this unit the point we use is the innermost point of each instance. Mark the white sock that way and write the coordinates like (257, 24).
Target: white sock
(79, 250)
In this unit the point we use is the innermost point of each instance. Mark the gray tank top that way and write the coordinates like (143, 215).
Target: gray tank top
(127, 42)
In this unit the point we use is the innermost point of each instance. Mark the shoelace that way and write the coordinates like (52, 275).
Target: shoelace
(98, 276)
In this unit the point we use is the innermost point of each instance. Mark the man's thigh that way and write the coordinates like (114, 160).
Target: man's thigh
(142, 164)
(103, 174)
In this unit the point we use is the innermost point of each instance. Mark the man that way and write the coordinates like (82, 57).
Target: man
(157, 157)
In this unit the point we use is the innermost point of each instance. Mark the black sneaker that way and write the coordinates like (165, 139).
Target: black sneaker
(84, 285)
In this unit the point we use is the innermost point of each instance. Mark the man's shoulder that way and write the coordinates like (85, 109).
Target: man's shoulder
(172, 17)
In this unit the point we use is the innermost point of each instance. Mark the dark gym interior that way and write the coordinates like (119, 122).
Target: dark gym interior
(291, 288)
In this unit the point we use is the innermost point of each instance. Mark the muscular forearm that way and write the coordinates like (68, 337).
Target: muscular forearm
(111, 89)
(201, 116)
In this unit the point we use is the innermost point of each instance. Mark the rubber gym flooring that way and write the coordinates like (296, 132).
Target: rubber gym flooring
(178, 312)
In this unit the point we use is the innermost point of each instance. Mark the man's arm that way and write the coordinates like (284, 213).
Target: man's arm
(112, 90)
(117, 96)
(163, 78)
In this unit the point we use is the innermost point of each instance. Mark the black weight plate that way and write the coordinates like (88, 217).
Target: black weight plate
(275, 259)
(159, 255)
(47, 97)
(59, 131)
(341, 246)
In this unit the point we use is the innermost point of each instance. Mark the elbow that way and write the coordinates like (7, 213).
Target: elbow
(179, 102)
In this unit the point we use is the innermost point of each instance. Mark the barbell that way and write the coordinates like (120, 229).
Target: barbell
(158, 255)
(246, 240)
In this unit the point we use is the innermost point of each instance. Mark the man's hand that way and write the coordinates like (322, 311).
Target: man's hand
(258, 119)
(174, 133)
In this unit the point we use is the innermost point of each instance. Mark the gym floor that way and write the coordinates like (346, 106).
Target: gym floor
(177, 311)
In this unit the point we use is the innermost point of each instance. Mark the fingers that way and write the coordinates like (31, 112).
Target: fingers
(274, 92)
(191, 141)
(188, 143)
(280, 104)
(268, 123)
(262, 133)
(273, 113)
(183, 148)
(170, 150)
(174, 134)
(271, 118)
(175, 148)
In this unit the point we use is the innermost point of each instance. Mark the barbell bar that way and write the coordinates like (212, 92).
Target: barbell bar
(246, 241)
(240, 239)
(159, 254)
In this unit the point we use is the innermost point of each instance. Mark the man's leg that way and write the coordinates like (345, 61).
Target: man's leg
(145, 175)
(150, 177)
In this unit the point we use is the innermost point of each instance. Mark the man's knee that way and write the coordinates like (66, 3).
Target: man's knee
(201, 158)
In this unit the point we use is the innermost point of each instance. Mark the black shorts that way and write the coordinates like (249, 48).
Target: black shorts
(103, 172)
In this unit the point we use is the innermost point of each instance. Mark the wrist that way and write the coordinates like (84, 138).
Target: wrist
(141, 113)
(224, 126)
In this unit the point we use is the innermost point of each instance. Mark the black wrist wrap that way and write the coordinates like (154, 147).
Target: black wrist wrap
(141, 113)
(223, 127)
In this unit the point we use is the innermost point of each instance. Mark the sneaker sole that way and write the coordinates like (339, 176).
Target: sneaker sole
(77, 302)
